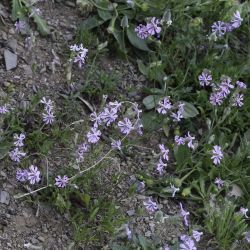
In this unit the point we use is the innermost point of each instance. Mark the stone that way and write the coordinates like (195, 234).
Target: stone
(10, 59)
(12, 44)
(4, 197)
(131, 212)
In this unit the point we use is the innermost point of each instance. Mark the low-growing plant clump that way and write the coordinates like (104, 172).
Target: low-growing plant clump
(194, 57)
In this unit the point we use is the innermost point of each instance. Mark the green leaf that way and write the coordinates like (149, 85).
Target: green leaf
(93, 213)
(189, 110)
(41, 25)
(182, 155)
(104, 14)
(4, 149)
(151, 121)
(142, 67)
(135, 40)
(86, 199)
(124, 22)
(91, 23)
(151, 101)
(118, 35)
(60, 203)
(17, 10)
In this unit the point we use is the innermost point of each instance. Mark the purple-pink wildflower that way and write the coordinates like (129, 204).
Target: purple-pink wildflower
(153, 27)
(185, 215)
(109, 115)
(197, 235)
(19, 140)
(81, 54)
(150, 205)
(48, 104)
(33, 174)
(116, 144)
(219, 28)
(241, 85)
(94, 117)
(179, 114)
(205, 78)
(81, 151)
(4, 109)
(217, 155)
(125, 126)
(16, 154)
(238, 100)
(61, 182)
(179, 140)
(164, 106)
(115, 105)
(20, 26)
(219, 182)
(236, 20)
(93, 136)
(243, 211)
(48, 118)
(187, 243)
(142, 31)
(216, 98)
(21, 175)
(247, 236)
(189, 139)
(160, 166)
(164, 152)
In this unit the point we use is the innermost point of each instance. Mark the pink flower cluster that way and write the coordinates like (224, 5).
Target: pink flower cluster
(165, 106)
(222, 90)
(17, 154)
(150, 29)
(220, 28)
(164, 157)
(188, 242)
(32, 175)
(48, 115)
(80, 54)
(187, 139)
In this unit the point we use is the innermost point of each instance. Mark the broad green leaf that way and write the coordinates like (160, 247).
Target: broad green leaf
(135, 40)
(151, 101)
(118, 35)
(91, 22)
(151, 121)
(189, 110)
(142, 67)
(41, 25)
(104, 14)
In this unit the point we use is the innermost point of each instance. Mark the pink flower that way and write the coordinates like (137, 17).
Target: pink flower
(61, 182)
(125, 126)
(33, 174)
(185, 215)
(93, 136)
(164, 152)
(217, 155)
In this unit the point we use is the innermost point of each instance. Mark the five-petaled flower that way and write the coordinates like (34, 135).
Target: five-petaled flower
(61, 181)
(217, 155)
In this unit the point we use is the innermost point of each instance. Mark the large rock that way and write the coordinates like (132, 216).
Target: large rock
(4, 197)
(10, 59)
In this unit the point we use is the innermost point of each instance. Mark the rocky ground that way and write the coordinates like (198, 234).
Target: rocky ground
(27, 69)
